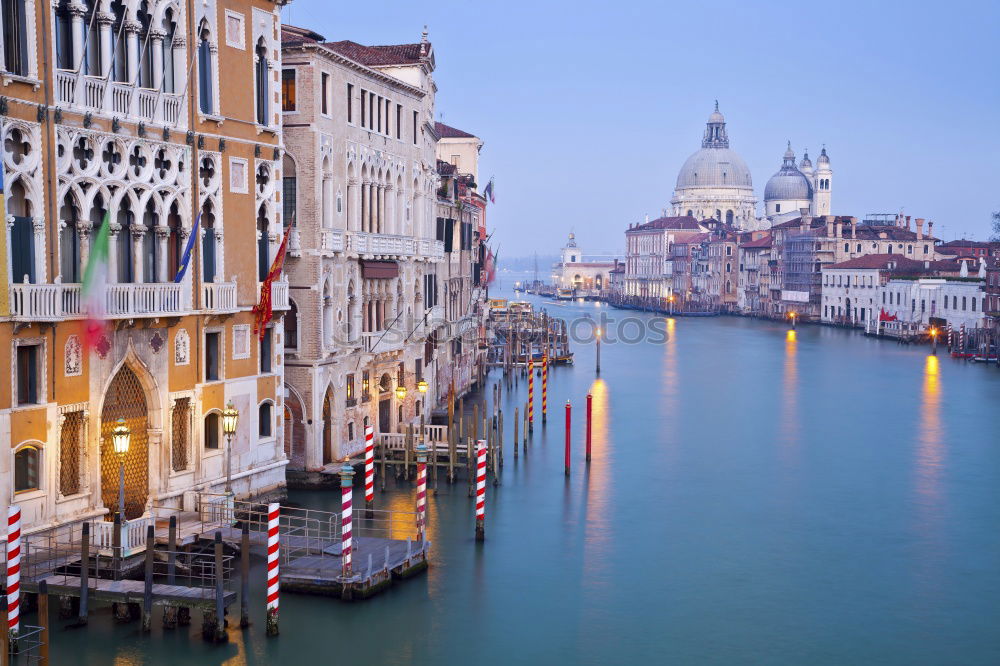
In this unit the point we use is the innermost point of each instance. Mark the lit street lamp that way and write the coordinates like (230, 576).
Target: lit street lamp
(230, 417)
(422, 386)
(671, 300)
(121, 437)
(934, 337)
(401, 392)
(792, 315)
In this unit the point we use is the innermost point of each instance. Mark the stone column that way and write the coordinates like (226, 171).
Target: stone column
(78, 29)
(114, 229)
(179, 54)
(38, 228)
(138, 231)
(156, 38)
(162, 249)
(132, 28)
(104, 23)
(389, 225)
(352, 208)
(83, 233)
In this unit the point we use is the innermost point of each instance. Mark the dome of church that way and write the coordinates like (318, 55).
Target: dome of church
(789, 184)
(714, 167)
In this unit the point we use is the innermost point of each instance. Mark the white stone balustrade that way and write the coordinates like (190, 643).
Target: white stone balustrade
(219, 297)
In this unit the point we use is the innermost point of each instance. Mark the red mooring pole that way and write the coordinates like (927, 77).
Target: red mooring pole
(569, 418)
(590, 399)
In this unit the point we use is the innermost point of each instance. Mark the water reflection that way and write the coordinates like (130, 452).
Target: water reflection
(930, 452)
(790, 393)
(597, 486)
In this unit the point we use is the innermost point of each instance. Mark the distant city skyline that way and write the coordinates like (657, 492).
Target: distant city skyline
(587, 116)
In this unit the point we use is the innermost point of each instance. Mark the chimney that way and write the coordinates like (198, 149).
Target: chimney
(805, 222)
(930, 228)
(854, 228)
(829, 225)
(839, 227)
(907, 222)
(920, 228)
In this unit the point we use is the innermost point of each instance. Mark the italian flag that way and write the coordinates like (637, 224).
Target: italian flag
(95, 281)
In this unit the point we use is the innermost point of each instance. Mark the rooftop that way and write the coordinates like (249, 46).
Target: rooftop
(449, 132)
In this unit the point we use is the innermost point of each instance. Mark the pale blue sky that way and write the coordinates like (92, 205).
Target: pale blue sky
(588, 109)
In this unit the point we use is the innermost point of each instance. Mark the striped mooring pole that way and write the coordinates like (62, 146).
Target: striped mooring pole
(531, 391)
(481, 490)
(369, 471)
(949, 338)
(273, 584)
(13, 570)
(545, 387)
(346, 488)
(569, 412)
(422, 492)
(961, 339)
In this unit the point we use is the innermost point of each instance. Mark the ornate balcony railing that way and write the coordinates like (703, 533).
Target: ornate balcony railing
(279, 295)
(388, 245)
(133, 535)
(54, 302)
(123, 99)
(219, 297)
(331, 240)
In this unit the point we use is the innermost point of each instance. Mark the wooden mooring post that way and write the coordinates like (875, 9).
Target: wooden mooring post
(516, 417)
(213, 625)
(170, 612)
(245, 576)
(147, 588)
(43, 622)
(569, 409)
(81, 617)
(590, 400)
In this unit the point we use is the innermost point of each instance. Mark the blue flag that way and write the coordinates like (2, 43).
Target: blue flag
(186, 259)
(488, 192)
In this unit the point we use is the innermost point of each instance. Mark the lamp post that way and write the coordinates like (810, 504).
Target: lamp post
(791, 315)
(934, 337)
(230, 417)
(121, 437)
(671, 300)
(598, 369)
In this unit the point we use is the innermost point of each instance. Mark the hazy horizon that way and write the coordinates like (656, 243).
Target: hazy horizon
(588, 110)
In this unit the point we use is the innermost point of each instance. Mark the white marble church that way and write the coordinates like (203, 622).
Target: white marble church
(715, 183)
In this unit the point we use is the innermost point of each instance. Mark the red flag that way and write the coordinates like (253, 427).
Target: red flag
(262, 311)
(885, 316)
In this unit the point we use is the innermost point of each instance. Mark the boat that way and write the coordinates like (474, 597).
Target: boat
(564, 294)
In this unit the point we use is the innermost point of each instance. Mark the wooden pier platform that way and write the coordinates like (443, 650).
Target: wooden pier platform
(131, 591)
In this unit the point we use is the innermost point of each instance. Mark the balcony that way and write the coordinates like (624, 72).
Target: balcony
(386, 246)
(95, 93)
(381, 342)
(219, 297)
(331, 241)
(55, 302)
(279, 294)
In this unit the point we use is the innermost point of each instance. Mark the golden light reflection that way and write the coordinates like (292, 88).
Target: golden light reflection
(790, 393)
(597, 488)
(930, 451)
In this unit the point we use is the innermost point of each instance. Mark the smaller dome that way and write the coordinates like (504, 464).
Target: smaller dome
(823, 157)
(789, 184)
(806, 163)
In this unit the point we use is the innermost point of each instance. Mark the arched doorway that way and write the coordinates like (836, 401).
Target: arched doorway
(126, 400)
(385, 404)
(328, 456)
(295, 432)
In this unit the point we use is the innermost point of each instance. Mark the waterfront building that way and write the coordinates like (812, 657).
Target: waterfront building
(649, 257)
(722, 276)
(961, 249)
(938, 301)
(755, 269)
(992, 288)
(150, 115)
(462, 277)
(585, 275)
(360, 177)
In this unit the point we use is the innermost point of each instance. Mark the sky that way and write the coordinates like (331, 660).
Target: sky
(589, 109)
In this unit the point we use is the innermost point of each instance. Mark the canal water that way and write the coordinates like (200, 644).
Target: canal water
(755, 496)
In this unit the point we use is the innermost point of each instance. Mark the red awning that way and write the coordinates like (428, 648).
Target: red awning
(379, 269)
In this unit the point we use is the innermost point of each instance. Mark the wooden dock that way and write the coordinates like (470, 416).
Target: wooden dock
(131, 591)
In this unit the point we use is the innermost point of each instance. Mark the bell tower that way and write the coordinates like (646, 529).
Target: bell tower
(821, 184)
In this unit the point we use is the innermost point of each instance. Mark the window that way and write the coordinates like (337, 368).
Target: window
(292, 326)
(363, 114)
(963, 302)
(70, 447)
(324, 94)
(365, 386)
(213, 430)
(974, 299)
(388, 107)
(15, 37)
(27, 374)
(213, 356)
(777, 209)
(205, 102)
(378, 114)
(260, 82)
(350, 103)
(288, 89)
(180, 417)
(265, 352)
(350, 431)
(27, 462)
(264, 419)
(399, 121)
(414, 128)
(349, 390)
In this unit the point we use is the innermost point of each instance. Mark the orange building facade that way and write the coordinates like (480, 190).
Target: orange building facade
(150, 112)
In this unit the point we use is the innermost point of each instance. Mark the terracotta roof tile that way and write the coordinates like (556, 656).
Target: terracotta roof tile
(374, 56)
(449, 132)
